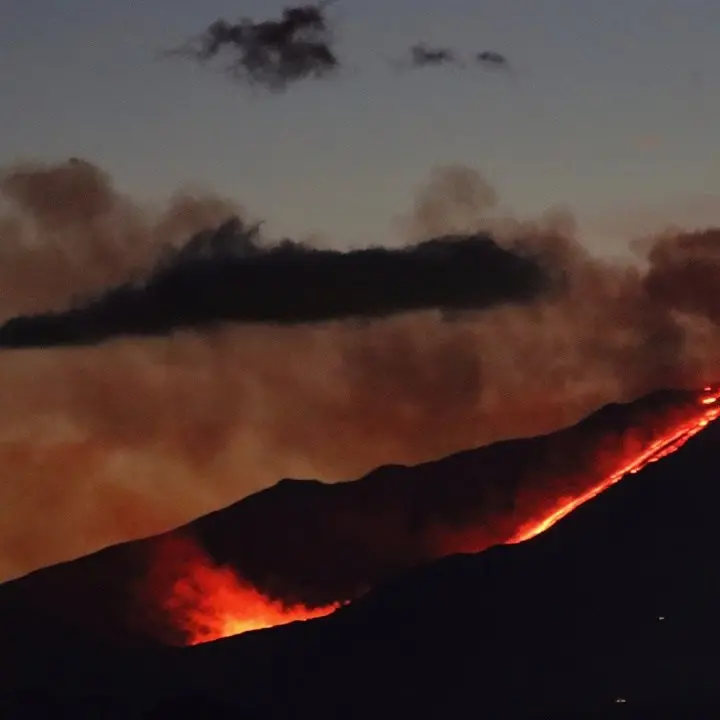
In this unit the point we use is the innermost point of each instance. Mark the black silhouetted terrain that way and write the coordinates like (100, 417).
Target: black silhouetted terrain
(307, 542)
(617, 601)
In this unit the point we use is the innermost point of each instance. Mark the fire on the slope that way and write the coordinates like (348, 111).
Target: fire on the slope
(674, 438)
(209, 602)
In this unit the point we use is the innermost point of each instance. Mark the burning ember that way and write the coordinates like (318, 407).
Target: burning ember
(208, 602)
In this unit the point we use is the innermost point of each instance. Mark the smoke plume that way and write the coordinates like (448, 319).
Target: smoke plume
(274, 53)
(67, 234)
(132, 437)
(227, 275)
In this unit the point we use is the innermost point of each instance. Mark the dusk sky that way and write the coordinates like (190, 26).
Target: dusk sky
(613, 110)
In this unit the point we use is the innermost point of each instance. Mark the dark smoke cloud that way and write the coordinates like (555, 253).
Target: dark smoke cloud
(422, 55)
(67, 233)
(492, 59)
(274, 53)
(228, 275)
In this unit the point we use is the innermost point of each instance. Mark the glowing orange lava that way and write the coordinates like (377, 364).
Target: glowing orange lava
(676, 437)
(230, 607)
(209, 602)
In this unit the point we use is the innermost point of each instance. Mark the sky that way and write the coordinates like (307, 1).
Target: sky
(613, 110)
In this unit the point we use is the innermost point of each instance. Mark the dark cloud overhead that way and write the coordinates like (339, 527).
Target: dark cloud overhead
(492, 58)
(229, 274)
(301, 45)
(273, 53)
(422, 55)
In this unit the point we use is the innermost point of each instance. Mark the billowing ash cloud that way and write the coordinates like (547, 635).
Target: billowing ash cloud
(132, 437)
(67, 233)
(273, 53)
(228, 275)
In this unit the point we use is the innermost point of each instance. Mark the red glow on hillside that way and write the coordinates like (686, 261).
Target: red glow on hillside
(673, 439)
(208, 602)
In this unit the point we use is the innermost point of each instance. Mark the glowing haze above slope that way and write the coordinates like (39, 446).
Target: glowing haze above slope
(106, 443)
(208, 602)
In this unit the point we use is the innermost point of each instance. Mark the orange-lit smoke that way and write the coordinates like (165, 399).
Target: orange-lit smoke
(132, 438)
(207, 602)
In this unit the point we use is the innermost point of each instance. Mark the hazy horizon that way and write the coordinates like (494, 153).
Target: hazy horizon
(612, 111)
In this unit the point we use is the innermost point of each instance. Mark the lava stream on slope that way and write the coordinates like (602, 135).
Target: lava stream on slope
(672, 440)
(210, 601)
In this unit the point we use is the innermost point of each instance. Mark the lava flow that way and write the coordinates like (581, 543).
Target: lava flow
(209, 601)
(672, 440)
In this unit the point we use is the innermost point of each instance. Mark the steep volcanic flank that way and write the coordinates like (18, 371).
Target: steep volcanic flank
(300, 549)
(614, 608)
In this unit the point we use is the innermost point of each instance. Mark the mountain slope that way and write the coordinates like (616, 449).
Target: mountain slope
(303, 541)
(617, 601)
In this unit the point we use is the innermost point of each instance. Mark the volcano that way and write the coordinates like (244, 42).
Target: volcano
(609, 603)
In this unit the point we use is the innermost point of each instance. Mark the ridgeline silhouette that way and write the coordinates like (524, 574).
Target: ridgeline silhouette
(610, 613)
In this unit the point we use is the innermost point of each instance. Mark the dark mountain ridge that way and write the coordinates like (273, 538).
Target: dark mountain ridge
(308, 542)
(613, 612)
(617, 602)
